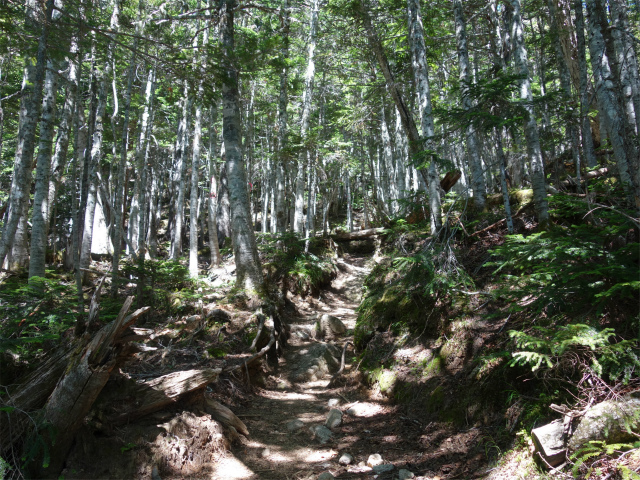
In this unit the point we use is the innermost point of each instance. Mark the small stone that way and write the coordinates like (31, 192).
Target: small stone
(387, 467)
(375, 459)
(549, 442)
(326, 476)
(404, 474)
(321, 433)
(334, 402)
(345, 459)
(265, 453)
(295, 425)
(334, 323)
(334, 419)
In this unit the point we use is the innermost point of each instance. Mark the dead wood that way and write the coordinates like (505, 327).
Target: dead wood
(356, 235)
(155, 394)
(225, 416)
(261, 353)
(88, 370)
(502, 220)
(449, 180)
(15, 421)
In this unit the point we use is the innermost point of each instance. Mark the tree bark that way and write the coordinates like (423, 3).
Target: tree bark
(30, 105)
(534, 152)
(610, 105)
(588, 149)
(248, 269)
(473, 149)
(421, 77)
(281, 142)
(40, 217)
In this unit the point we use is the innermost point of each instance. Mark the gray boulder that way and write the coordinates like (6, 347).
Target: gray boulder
(316, 362)
(549, 442)
(611, 421)
(329, 327)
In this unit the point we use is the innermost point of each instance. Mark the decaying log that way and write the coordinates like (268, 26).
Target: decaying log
(88, 370)
(225, 416)
(356, 235)
(449, 180)
(155, 394)
(31, 395)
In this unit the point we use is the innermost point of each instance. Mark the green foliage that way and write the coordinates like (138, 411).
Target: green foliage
(409, 291)
(167, 284)
(584, 457)
(549, 345)
(286, 261)
(5, 467)
(30, 316)
(568, 270)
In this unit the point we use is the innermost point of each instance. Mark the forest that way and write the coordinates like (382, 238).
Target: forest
(439, 200)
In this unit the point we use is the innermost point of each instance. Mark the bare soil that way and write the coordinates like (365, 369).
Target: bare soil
(431, 450)
(279, 412)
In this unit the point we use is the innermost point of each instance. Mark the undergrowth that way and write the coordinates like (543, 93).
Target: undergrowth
(564, 303)
(288, 264)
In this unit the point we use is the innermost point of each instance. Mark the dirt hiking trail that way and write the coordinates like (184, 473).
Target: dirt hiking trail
(307, 423)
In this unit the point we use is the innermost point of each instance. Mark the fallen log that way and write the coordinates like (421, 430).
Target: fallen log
(356, 235)
(15, 417)
(225, 416)
(87, 372)
(155, 394)
(572, 182)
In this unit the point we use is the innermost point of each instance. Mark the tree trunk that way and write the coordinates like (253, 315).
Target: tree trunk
(281, 145)
(212, 201)
(180, 164)
(627, 63)
(30, 105)
(588, 149)
(475, 162)
(420, 72)
(610, 107)
(40, 215)
(248, 269)
(534, 152)
(120, 186)
(565, 82)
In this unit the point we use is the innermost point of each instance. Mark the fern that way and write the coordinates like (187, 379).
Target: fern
(548, 345)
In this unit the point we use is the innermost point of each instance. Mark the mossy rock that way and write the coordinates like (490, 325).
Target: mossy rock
(522, 196)
(385, 379)
(434, 367)
(395, 306)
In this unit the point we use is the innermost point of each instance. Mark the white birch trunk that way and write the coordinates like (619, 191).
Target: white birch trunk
(30, 104)
(248, 270)
(421, 76)
(39, 219)
(473, 148)
(610, 108)
(588, 149)
(307, 98)
(534, 151)
(180, 164)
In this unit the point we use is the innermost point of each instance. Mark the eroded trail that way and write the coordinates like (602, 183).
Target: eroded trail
(305, 426)
(287, 418)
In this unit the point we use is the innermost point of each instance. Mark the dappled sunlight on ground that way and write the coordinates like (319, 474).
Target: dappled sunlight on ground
(230, 468)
